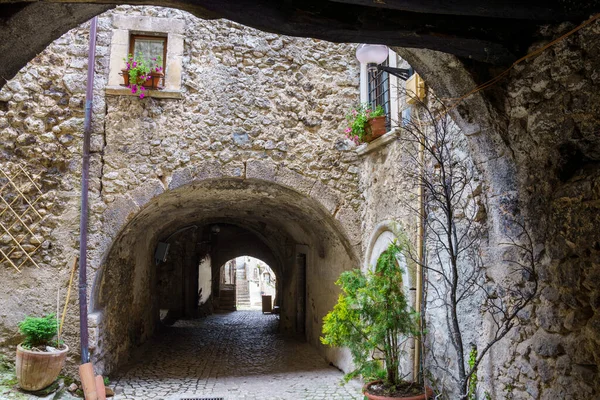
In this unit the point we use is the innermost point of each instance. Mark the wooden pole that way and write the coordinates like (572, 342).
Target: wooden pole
(64, 313)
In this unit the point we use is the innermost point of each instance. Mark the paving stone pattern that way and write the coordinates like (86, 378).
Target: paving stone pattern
(237, 355)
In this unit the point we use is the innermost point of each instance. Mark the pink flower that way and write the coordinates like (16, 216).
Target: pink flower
(134, 64)
(128, 66)
(354, 112)
(142, 95)
(348, 130)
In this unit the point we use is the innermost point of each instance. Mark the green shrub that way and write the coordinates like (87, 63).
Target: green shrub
(372, 318)
(38, 331)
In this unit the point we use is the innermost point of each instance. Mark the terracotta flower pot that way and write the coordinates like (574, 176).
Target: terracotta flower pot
(37, 370)
(125, 73)
(375, 127)
(152, 82)
(427, 395)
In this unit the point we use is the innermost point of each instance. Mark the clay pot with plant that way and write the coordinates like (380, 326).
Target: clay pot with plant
(41, 356)
(365, 123)
(373, 320)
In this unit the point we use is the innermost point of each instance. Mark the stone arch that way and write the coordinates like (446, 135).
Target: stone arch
(124, 309)
(382, 235)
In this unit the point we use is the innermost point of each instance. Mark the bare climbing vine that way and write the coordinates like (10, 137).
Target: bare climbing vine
(455, 235)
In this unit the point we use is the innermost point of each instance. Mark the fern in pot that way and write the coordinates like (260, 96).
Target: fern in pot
(372, 319)
(41, 356)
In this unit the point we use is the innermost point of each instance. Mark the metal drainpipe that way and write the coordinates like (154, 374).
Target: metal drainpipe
(420, 256)
(83, 222)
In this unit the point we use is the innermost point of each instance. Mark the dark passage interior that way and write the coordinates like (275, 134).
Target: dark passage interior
(166, 264)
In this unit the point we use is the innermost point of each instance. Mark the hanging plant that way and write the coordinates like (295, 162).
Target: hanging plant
(141, 74)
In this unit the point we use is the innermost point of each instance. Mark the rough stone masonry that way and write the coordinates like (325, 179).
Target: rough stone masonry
(256, 138)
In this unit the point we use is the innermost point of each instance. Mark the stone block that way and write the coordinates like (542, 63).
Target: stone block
(350, 221)
(262, 170)
(326, 196)
(146, 192)
(546, 344)
(117, 214)
(208, 170)
(294, 180)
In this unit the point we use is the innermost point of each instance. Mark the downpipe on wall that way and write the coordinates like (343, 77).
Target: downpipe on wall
(86, 370)
(421, 257)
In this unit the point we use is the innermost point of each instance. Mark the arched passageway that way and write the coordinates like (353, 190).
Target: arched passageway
(248, 280)
(217, 219)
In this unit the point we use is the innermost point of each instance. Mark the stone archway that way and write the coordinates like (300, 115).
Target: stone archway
(286, 222)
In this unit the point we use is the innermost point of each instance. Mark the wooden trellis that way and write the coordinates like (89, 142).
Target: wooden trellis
(19, 217)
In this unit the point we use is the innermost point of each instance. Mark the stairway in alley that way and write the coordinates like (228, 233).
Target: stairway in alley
(243, 293)
(227, 297)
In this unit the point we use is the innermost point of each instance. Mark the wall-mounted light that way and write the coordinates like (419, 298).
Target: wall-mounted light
(373, 55)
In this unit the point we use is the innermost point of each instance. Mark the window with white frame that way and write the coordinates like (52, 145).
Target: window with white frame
(152, 37)
(378, 88)
(384, 89)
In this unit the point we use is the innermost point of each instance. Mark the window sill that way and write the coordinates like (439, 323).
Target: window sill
(381, 141)
(157, 94)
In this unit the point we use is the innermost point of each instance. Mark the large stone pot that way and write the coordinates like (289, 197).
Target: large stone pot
(37, 370)
(427, 395)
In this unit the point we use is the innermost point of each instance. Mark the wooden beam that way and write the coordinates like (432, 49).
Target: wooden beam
(535, 10)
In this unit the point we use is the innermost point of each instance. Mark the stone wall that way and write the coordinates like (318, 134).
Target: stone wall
(534, 138)
(553, 104)
(254, 106)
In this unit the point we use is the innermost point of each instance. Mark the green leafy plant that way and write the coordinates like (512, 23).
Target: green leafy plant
(471, 395)
(139, 70)
(106, 381)
(372, 318)
(38, 331)
(357, 118)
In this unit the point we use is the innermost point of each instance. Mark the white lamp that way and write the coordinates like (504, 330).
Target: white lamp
(375, 54)
(372, 53)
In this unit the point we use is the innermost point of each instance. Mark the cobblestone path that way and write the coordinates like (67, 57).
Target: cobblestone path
(237, 355)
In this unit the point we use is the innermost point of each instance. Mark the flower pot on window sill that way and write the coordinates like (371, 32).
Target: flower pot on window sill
(374, 128)
(152, 82)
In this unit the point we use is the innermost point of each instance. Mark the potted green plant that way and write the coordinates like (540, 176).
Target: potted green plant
(140, 74)
(373, 319)
(365, 123)
(39, 357)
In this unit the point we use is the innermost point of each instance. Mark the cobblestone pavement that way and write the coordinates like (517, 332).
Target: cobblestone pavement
(237, 355)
